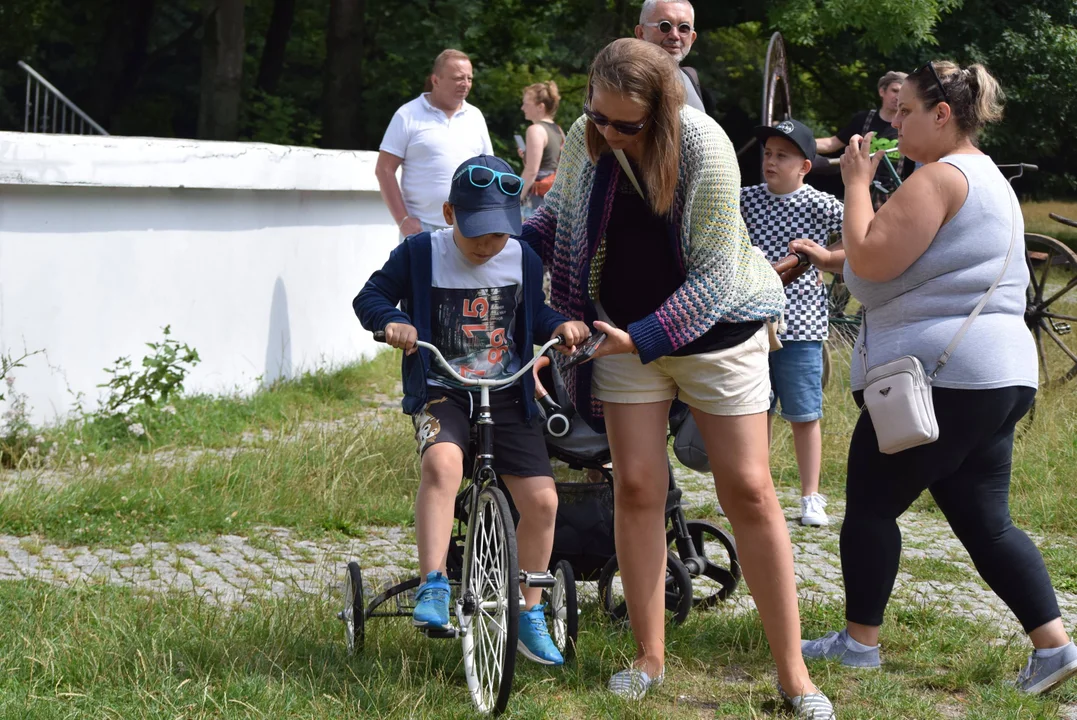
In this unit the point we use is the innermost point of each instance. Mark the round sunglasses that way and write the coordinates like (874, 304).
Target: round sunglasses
(666, 27)
(622, 127)
(483, 177)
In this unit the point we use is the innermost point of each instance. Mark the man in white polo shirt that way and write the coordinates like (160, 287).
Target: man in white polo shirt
(429, 137)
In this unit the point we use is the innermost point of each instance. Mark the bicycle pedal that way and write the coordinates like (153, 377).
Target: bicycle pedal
(1062, 328)
(449, 633)
(537, 579)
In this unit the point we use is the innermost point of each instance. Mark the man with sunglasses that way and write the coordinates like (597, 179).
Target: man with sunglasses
(669, 24)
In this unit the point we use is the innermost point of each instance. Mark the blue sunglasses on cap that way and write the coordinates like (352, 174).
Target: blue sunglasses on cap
(483, 177)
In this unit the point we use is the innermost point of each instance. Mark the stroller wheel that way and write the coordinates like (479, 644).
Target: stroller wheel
(678, 590)
(564, 612)
(710, 554)
(353, 615)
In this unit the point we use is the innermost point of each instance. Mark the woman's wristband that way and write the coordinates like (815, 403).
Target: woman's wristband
(403, 220)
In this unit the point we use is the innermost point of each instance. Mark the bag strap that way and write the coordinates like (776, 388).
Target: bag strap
(945, 357)
(949, 351)
(867, 121)
(628, 171)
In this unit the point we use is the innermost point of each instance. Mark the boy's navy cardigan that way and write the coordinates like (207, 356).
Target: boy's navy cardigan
(406, 279)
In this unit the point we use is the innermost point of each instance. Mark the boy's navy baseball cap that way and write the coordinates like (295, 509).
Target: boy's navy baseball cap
(483, 201)
(794, 131)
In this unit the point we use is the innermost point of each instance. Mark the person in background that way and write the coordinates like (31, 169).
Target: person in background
(427, 139)
(775, 212)
(670, 24)
(876, 121)
(542, 143)
(919, 266)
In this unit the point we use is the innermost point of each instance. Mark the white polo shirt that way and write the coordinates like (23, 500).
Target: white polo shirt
(432, 146)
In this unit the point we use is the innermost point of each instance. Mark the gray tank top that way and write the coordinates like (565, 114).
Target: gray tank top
(551, 154)
(919, 312)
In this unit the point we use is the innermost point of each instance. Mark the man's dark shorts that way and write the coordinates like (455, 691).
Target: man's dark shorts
(519, 448)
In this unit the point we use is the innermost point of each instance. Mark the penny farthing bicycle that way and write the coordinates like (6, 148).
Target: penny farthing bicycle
(483, 571)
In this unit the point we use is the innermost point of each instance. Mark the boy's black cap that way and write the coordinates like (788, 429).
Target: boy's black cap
(484, 210)
(794, 131)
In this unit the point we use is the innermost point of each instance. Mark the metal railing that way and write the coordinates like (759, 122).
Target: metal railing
(49, 111)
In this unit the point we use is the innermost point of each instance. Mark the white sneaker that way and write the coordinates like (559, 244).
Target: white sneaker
(812, 512)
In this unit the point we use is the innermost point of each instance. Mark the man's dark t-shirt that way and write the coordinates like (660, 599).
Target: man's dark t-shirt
(880, 127)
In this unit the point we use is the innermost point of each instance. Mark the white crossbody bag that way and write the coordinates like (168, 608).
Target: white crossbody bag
(898, 393)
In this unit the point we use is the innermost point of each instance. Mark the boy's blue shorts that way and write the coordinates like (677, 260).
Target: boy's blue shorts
(796, 380)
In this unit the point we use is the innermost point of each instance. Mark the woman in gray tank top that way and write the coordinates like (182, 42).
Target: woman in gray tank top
(919, 266)
(542, 144)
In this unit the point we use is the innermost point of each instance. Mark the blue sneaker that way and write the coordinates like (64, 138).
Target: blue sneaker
(535, 642)
(432, 603)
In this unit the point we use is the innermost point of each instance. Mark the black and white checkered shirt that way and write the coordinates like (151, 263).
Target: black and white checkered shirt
(773, 221)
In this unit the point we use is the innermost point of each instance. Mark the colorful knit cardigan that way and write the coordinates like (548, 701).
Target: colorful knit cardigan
(726, 279)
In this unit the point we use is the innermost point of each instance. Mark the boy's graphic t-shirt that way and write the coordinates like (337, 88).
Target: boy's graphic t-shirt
(772, 222)
(473, 309)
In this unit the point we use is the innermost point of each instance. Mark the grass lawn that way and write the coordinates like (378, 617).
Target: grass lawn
(323, 458)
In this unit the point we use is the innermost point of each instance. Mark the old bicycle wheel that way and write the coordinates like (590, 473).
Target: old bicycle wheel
(354, 614)
(491, 603)
(776, 103)
(1049, 313)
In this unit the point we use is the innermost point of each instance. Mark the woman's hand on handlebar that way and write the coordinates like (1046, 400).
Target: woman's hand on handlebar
(617, 341)
(402, 336)
(573, 333)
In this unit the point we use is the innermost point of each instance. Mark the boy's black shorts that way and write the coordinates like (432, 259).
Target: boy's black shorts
(519, 448)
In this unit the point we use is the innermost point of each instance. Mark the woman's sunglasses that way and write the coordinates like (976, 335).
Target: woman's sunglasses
(666, 27)
(483, 177)
(938, 81)
(622, 127)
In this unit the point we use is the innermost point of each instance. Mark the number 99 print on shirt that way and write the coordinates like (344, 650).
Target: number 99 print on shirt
(473, 309)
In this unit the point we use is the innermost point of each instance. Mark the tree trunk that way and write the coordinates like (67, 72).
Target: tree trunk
(280, 30)
(122, 57)
(222, 70)
(343, 91)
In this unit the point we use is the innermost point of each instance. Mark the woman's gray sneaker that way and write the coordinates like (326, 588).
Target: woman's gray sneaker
(1043, 673)
(834, 646)
(810, 706)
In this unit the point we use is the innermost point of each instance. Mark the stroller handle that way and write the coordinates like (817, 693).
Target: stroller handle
(379, 336)
(557, 423)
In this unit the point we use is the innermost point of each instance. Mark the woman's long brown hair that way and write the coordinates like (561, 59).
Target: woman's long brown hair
(647, 75)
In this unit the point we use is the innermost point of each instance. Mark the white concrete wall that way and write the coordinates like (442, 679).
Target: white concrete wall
(252, 253)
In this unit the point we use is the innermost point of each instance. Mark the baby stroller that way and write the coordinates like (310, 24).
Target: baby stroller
(583, 536)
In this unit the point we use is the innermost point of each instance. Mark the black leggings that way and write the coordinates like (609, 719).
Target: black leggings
(967, 471)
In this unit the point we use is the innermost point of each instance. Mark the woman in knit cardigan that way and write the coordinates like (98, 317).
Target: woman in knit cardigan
(643, 236)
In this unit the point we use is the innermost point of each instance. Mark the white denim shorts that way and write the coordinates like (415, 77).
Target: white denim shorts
(733, 381)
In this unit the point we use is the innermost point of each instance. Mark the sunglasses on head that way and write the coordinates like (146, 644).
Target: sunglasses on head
(622, 127)
(938, 81)
(483, 177)
(666, 27)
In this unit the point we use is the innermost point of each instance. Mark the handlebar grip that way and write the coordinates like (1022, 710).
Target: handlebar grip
(1030, 167)
(379, 336)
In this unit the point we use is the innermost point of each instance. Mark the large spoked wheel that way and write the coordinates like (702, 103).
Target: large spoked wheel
(716, 552)
(561, 599)
(353, 614)
(678, 590)
(1049, 313)
(491, 603)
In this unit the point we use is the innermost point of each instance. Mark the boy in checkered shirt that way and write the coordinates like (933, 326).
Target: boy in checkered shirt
(782, 209)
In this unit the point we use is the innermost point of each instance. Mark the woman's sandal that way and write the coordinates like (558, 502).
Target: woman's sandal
(810, 706)
(633, 683)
